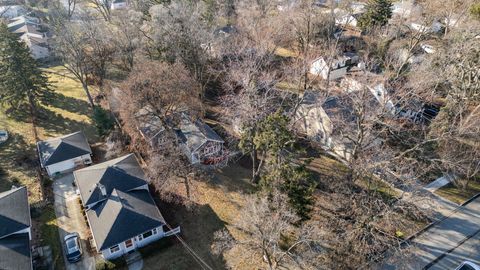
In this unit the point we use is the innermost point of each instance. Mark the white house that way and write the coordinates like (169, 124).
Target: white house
(118, 4)
(121, 213)
(337, 69)
(15, 232)
(64, 153)
(9, 12)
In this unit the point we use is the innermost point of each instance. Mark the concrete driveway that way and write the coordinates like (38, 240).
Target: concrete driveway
(70, 219)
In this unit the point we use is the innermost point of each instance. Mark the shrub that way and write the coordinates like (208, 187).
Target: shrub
(107, 265)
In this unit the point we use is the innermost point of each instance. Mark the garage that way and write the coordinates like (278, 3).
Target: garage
(63, 154)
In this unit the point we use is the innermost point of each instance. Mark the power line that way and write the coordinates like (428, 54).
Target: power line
(197, 257)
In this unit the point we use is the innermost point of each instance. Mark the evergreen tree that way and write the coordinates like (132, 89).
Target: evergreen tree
(276, 143)
(377, 14)
(21, 80)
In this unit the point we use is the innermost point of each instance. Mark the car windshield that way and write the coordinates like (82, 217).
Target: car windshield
(72, 245)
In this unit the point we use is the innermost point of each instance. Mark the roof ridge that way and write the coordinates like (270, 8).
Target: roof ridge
(9, 192)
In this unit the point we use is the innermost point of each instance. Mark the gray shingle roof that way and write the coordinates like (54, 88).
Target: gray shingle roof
(195, 134)
(122, 216)
(15, 252)
(63, 148)
(123, 173)
(14, 211)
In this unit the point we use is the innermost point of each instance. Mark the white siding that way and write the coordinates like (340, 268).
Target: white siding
(139, 241)
(68, 164)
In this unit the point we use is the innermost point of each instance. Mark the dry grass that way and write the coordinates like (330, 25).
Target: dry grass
(216, 208)
(457, 195)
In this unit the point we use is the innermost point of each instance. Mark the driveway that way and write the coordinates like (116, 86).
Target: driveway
(468, 251)
(70, 219)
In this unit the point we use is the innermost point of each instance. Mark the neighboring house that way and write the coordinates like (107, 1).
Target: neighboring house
(434, 27)
(121, 213)
(337, 69)
(200, 143)
(405, 9)
(150, 127)
(30, 31)
(64, 153)
(15, 232)
(313, 118)
(9, 12)
(118, 4)
(374, 83)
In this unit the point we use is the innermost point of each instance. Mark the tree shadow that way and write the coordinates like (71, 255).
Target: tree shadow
(70, 104)
(198, 224)
(54, 123)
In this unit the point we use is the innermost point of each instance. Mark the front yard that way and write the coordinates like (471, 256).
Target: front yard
(458, 195)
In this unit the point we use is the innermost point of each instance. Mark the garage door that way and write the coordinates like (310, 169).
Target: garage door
(61, 166)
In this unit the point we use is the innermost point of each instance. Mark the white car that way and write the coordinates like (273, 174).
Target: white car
(466, 265)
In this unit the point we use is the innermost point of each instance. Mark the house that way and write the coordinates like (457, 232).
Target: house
(15, 232)
(314, 118)
(405, 9)
(150, 127)
(9, 12)
(120, 211)
(337, 69)
(373, 82)
(434, 27)
(64, 153)
(199, 142)
(30, 31)
(118, 4)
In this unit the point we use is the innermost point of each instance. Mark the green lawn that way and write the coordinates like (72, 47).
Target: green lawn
(457, 195)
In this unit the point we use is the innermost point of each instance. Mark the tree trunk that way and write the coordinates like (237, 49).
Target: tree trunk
(254, 156)
(87, 91)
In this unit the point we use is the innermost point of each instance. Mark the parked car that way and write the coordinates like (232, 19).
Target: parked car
(3, 136)
(73, 248)
(466, 265)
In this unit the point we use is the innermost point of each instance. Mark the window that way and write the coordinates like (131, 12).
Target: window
(154, 231)
(114, 249)
(147, 234)
(128, 243)
(140, 237)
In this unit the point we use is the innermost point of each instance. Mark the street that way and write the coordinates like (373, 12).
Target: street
(70, 219)
(444, 245)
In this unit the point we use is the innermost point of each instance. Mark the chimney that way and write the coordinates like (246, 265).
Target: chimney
(102, 189)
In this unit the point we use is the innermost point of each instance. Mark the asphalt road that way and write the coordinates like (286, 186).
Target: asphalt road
(457, 236)
(70, 219)
(468, 251)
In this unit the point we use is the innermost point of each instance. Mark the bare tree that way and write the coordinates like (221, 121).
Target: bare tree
(270, 237)
(177, 32)
(102, 7)
(126, 37)
(71, 46)
(162, 89)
